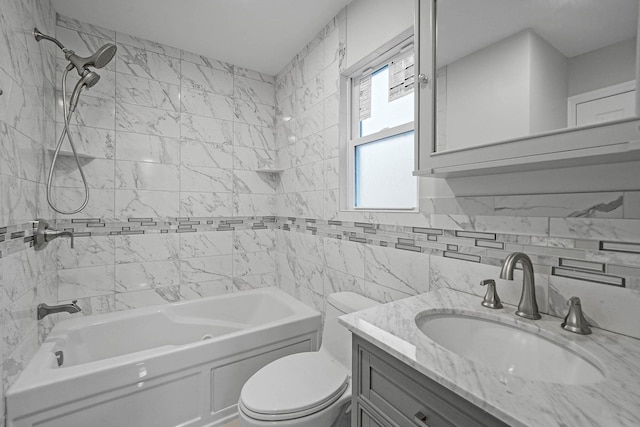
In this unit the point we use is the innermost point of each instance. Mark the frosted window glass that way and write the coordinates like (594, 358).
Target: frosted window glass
(384, 178)
(385, 114)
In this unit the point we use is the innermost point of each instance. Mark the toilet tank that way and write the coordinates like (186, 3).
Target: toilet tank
(336, 339)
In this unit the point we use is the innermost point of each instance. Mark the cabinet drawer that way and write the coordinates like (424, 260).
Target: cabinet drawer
(408, 398)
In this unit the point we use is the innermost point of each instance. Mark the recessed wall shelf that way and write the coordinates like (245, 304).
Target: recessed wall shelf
(67, 153)
(265, 170)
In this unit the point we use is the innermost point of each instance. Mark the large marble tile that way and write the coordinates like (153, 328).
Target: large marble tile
(142, 204)
(146, 120)
(252, 113)
(404, 271)
(254, 90)
(632, 204)
(310, 149)
(253, 158)
(148, 93)
(254, 241)
(146, 247)
(200, 60)
(252, 136)
(623, 230)
(310, 177)
(195, 245)
(190, 291)
(582, 205)
(19, 198)
(148, 297)
(201, 179)
(205, 204)
(148, 45)
(250, 263)
(147, 176)
(140, 276)
(206, 129)
(202, 77)
(255, 75)
(147, 148)
(207, 104)
(256, 281)
(253, 204)
(457, 205)
(20, 156)
(149, 65)
(345, 256)
(86, 282)
(204, 269)
(209, 154)
(87, 252)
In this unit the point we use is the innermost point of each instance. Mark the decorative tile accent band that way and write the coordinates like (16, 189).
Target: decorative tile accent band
(606, 262)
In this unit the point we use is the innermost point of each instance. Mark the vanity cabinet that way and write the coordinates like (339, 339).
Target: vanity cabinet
(388, 393)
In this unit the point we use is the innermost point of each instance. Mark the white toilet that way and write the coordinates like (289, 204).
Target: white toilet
(306, 389)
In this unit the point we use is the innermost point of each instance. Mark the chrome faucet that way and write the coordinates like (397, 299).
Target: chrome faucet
(44, 310)
(44, 234)
(527, 307)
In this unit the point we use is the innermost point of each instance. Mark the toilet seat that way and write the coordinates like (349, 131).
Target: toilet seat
(294, 386)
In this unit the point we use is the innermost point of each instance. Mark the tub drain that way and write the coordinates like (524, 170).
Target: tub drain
(206, 337)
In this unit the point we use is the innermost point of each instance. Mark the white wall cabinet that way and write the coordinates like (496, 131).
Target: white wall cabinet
(606, 137)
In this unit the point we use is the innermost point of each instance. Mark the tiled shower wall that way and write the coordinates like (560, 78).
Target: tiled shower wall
(451, 242)
(27, 110)
(176, 139)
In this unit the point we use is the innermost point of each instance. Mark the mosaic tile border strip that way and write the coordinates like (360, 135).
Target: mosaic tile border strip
(604, 262)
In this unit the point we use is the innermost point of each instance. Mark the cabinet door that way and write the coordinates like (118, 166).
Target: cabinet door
(408, 398)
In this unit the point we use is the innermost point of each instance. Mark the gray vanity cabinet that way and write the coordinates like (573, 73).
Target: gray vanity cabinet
(388, 393)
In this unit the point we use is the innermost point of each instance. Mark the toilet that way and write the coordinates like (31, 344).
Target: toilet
(310, 389)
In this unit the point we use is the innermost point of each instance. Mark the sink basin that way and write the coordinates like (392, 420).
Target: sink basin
(509, 350)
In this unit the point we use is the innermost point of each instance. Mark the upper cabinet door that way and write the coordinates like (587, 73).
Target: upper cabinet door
(523, 85)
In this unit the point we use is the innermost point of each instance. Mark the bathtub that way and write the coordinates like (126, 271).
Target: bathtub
(180, 364)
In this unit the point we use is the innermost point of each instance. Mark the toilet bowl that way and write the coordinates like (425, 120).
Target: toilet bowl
(307, 389)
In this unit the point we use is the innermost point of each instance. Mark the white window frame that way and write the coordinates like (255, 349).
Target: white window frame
(353, 138)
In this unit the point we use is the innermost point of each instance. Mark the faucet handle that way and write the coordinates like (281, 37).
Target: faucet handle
(575, 320)
(491, 298)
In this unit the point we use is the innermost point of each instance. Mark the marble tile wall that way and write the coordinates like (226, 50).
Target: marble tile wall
(173, 135)
(27, 110)
(593, 238)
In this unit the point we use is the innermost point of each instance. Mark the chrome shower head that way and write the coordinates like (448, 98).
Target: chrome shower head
(98, 60)
(89, 79)
(101, 58)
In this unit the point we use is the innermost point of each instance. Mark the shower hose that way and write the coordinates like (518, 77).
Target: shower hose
(68, 113)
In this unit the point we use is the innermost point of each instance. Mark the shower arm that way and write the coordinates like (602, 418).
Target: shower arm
(39, 36)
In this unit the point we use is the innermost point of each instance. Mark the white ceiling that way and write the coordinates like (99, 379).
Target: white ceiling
(261, 35)
(574, 27)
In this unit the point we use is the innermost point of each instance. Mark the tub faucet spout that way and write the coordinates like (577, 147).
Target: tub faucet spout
(44, 310)
(528, 307)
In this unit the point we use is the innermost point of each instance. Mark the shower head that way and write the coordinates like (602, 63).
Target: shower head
(98, 60)
(89, 79)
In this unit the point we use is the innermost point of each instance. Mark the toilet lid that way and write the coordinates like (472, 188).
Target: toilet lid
(295, 384)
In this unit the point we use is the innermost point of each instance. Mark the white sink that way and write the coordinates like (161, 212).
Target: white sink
(509, 350)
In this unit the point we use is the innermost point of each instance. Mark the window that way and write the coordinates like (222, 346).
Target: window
(381, 136)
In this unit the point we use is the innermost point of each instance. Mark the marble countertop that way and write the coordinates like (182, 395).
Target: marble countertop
(613, 402)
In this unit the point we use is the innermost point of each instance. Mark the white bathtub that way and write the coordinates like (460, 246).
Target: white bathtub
(174, 365)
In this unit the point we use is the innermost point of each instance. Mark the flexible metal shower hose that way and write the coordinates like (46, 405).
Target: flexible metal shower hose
(65, 132)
